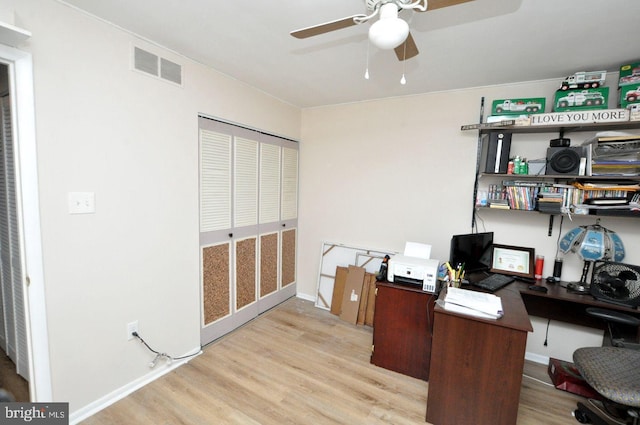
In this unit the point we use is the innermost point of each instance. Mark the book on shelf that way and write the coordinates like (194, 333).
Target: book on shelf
(623, 185)
(621, 207)
(557, 200)
(607, 201)
(473, 303)
(612, 136)
(613, 154)
(499, 205)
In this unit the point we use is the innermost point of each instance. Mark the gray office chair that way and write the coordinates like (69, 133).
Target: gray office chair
(614, 372)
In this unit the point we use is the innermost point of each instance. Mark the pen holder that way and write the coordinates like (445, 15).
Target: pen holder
(456, 283)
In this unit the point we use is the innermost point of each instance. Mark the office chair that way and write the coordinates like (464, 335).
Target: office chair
(613, 372)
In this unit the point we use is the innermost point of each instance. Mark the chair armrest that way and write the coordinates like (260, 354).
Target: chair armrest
(613, 316)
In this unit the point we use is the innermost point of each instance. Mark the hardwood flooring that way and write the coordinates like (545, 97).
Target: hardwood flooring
(10, 381)
(297, 364)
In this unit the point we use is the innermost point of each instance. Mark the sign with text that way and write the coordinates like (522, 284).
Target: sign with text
(599, 116)
(34, 413)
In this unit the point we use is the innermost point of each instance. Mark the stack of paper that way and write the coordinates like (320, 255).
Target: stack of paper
(479, 304)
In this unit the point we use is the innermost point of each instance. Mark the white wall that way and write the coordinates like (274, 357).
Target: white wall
(132, 140)
(377, 174)
(372, 174)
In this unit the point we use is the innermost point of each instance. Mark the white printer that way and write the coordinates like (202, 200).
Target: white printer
(414, 271)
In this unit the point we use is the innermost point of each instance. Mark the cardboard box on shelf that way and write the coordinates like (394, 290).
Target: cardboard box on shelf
(629, 74)
(634, 112)
(578, 100)
(629, 95)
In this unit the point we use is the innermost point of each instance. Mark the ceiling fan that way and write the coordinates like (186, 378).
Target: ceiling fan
(389, 31)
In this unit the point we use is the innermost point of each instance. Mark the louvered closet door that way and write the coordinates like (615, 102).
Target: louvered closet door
(245, 197)
(11, 252)
(269, 217)
(248, 184)
(215, 181)
(228, 233)
(215, 234)
(289, 215)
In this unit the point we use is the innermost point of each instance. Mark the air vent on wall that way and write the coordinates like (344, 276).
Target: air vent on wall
(154, 65)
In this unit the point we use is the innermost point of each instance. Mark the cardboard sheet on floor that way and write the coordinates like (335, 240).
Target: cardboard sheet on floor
(368, 287)
(371, 302)
(336, 254)
(352, 294)
(338, 289)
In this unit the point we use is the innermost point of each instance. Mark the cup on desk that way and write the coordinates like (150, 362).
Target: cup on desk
(455, 283)
(539, 266)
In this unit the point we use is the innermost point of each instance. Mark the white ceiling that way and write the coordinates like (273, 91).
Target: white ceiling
(483, 42)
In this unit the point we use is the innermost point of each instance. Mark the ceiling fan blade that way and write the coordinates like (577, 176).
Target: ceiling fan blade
(439, 4)
(407, 50)
(326, 27)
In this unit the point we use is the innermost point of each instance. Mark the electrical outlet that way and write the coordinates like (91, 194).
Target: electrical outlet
(131, 328)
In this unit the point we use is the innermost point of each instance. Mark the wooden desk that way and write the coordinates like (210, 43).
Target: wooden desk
(564, 306)
(476, 365)
(402, 329)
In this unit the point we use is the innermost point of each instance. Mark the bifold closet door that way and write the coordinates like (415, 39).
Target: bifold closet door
(248, 220)
(269, 244)
(288, 257)
(216, 282)
(11, 266)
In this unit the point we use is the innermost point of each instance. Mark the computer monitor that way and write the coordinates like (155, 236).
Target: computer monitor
(472, 250)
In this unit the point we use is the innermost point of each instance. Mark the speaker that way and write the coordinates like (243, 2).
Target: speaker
(570, 161)
(496, 155)
(562, 142)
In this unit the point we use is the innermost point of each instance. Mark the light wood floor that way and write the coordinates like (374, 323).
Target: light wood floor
(298, 364)
(10, 381)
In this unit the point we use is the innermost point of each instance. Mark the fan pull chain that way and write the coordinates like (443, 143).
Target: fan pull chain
(403, 80)
(366, 72)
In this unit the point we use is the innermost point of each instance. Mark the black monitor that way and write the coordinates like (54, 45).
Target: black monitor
(472, 250)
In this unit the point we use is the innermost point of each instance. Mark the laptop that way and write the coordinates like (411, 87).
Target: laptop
(508, 263)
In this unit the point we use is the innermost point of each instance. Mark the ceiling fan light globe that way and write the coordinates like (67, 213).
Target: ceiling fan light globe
(388, 34)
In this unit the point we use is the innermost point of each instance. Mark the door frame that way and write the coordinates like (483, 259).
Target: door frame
(20, 65)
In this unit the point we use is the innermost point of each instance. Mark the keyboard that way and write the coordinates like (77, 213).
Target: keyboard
(493, 282)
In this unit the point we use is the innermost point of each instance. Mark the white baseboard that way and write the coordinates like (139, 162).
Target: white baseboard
(537, 358)
(306, 297)
(161, 369)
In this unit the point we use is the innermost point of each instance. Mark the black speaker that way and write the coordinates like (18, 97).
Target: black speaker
(570, 161)
(562, 142)
(496, 153)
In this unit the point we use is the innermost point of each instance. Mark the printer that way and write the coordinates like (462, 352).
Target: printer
(414, 271)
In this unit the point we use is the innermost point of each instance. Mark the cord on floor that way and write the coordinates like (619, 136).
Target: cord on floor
(159, 355)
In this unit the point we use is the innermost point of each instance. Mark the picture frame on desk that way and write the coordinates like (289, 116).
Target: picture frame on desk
(513, 260)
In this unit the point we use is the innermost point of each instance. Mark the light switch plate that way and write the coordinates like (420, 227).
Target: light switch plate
(82, 202)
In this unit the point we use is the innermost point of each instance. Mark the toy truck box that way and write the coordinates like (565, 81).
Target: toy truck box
(534, 105)
(634, 112)
(629, 95)
(584, 80)
(576, 100)
(629, 74)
